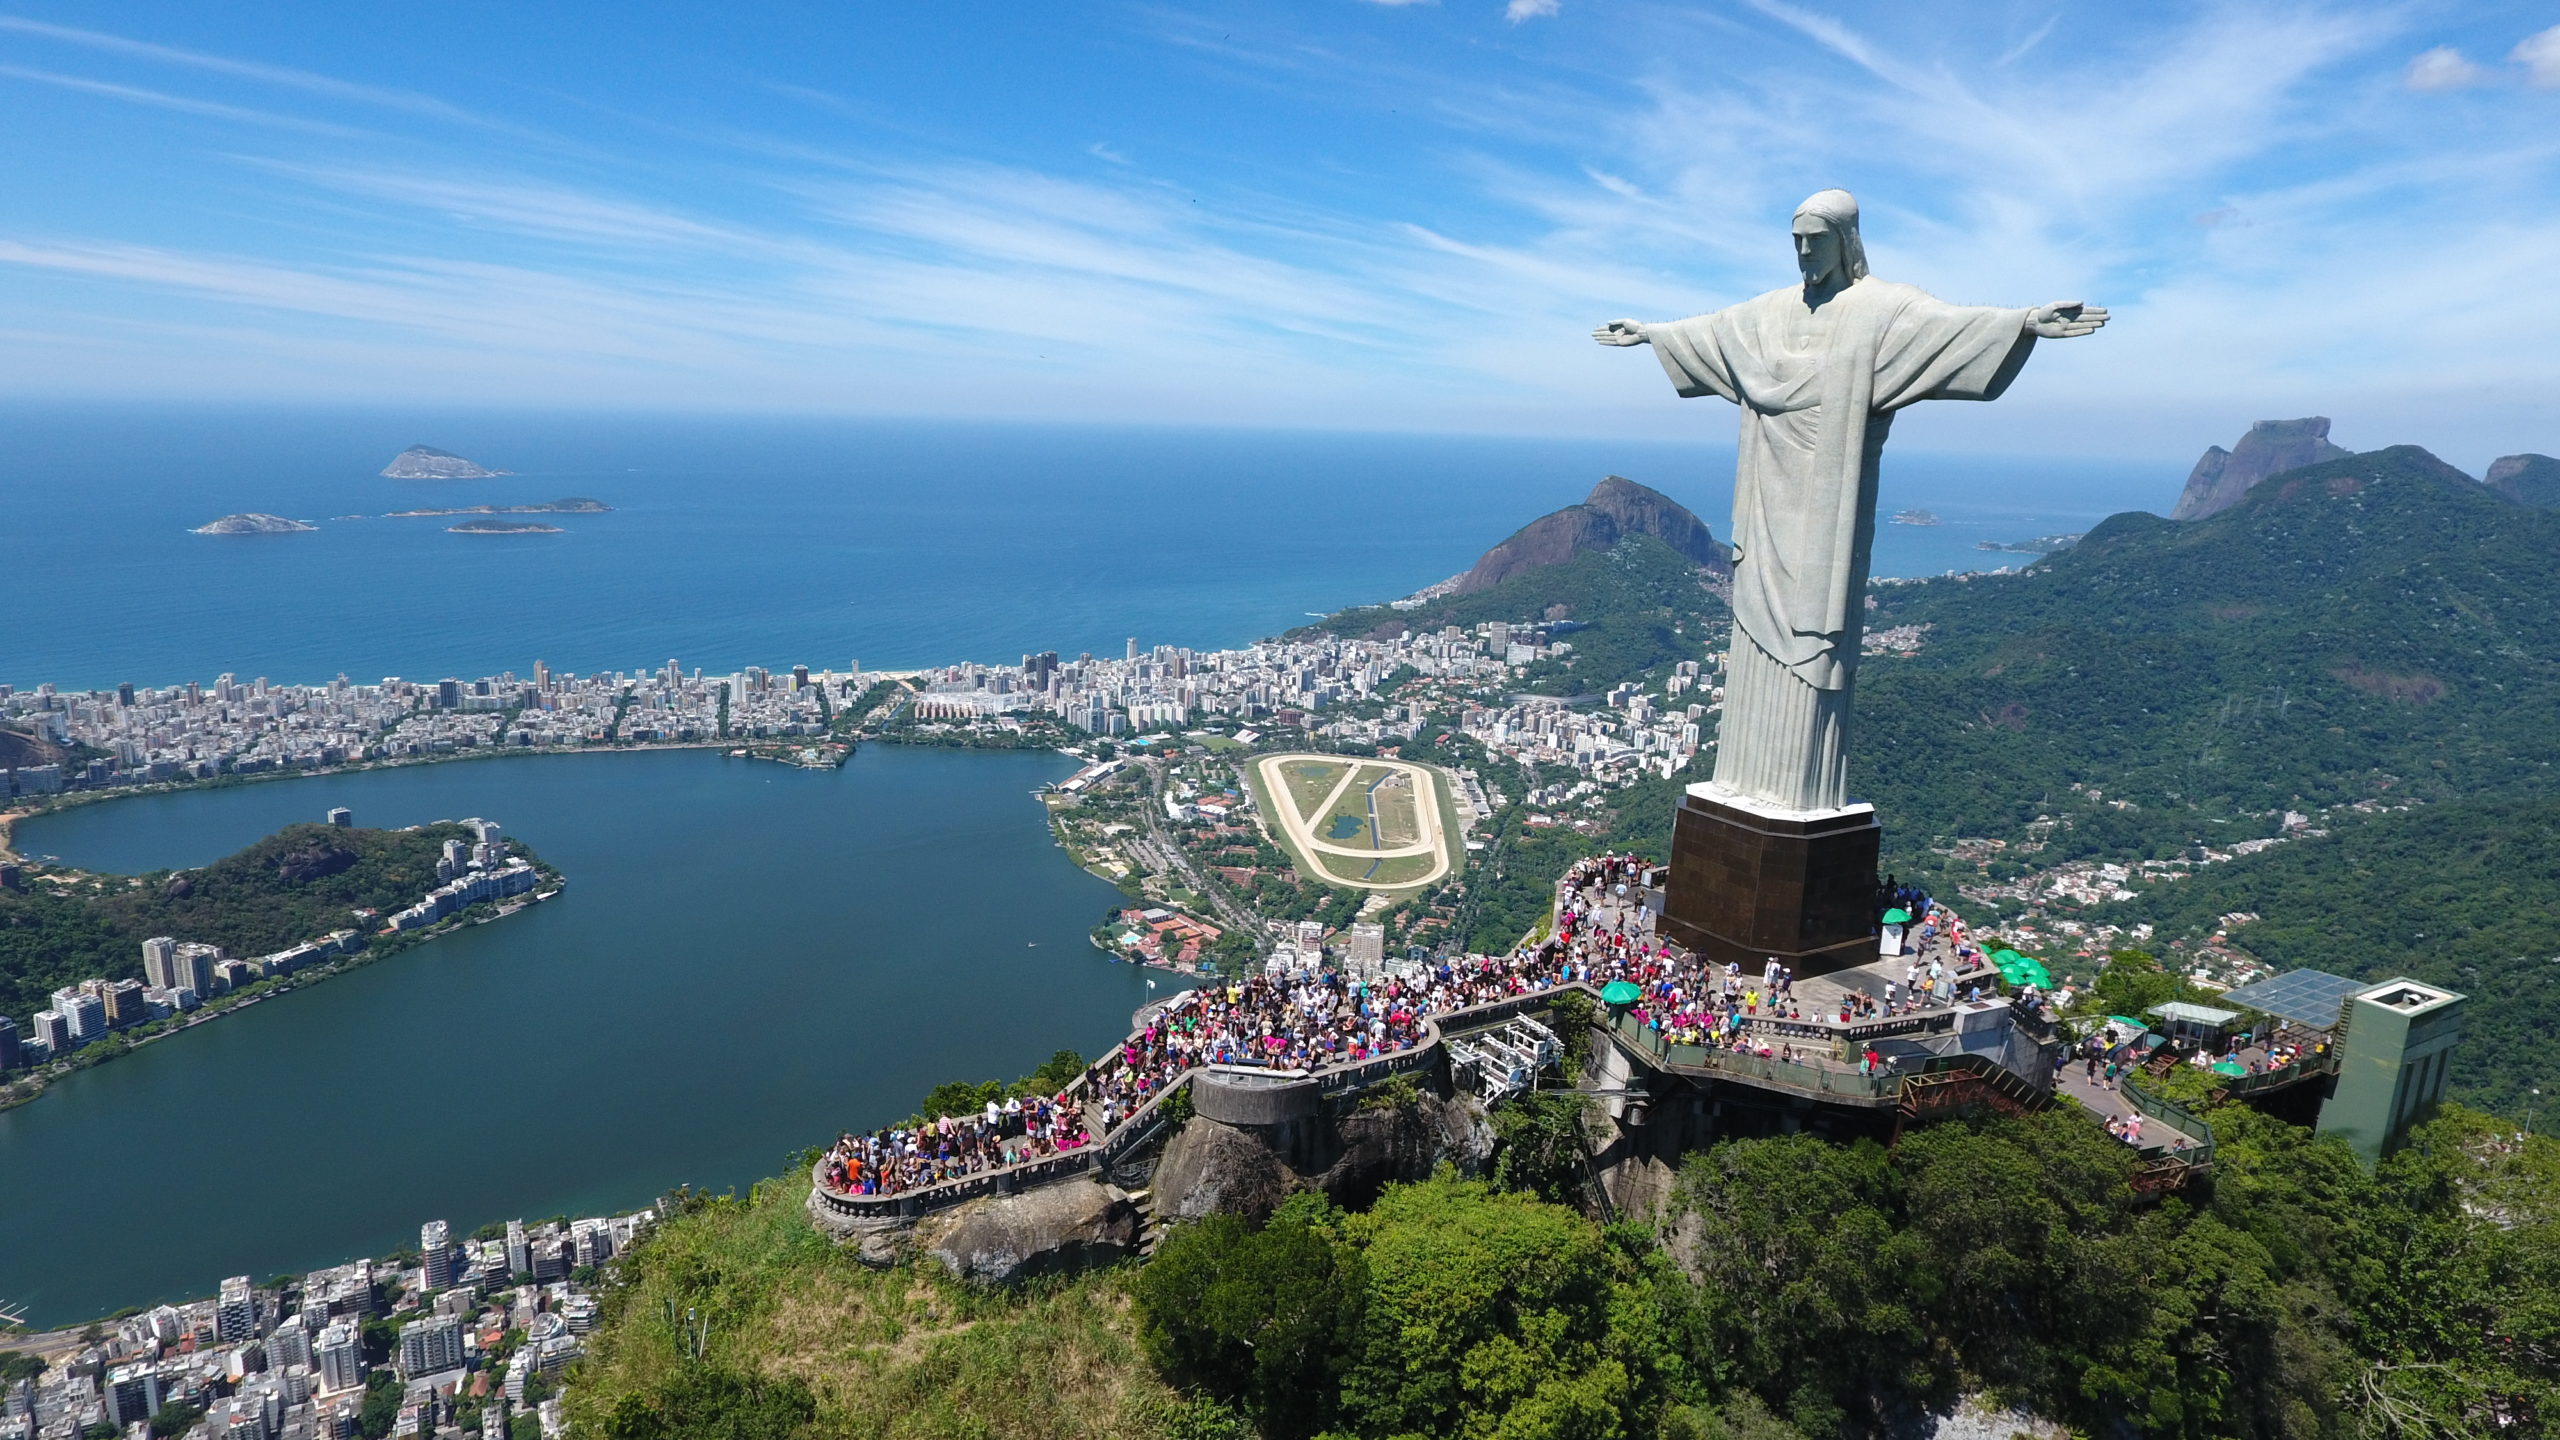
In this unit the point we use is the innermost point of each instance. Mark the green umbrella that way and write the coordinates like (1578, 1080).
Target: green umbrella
(2128, 1022)
(2230, 1067)
(2005, 957)
(1621, 992)
(1897, 916)
(2034, 973)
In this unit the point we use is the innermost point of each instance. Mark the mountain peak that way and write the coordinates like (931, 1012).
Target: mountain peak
(2270, 448)
(2527, 479)
(1616, 508)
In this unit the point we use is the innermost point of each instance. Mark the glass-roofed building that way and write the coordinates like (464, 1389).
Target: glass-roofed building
(2392, 1042)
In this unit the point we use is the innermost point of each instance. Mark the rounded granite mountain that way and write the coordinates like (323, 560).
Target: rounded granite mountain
(425, 462)
(1616, 508)
(253, 524)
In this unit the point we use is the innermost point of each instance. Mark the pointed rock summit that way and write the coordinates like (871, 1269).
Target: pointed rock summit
(2270, 448)
(1616, 508)
(2526, 479)
(425, 462)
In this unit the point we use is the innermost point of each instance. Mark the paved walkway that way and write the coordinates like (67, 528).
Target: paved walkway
(2157, 1134)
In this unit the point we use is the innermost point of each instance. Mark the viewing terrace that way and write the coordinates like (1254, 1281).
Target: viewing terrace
(1839, 1040)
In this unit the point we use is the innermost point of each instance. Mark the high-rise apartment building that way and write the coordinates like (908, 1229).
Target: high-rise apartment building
(84, 1012)
(519, 1252)
(126, 1006)
(160, 962)
(430, 1346)
(435, 1251)
(193, 968)
(289, 1346)
(341, 1362)
(235, 1313)
(132, 1393)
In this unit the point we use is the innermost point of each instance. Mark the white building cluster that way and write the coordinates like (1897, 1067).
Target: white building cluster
(1629, 734)
(191, 732)
(1174, 685)
(288, 1363)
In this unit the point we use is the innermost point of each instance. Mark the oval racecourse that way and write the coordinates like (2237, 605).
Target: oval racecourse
(1349, 820)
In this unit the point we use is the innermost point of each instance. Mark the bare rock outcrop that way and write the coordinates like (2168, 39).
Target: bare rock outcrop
(1212, 1167)
(1054, 1229)
(1616, 508)
(2526, 479)
(1209, 1168)
(2271, 447)
(1399, 1144)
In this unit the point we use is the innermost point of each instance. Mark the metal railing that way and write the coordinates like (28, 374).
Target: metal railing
(2176, 1116)
(1784, 1074)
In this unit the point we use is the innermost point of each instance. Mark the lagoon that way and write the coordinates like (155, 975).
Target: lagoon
(748, 959)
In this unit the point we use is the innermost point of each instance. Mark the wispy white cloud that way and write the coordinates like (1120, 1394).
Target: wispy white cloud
(1648, 176)
(303, 80)
(160, 100)
(2443, 68)
(1521, 10)
(2540, 55)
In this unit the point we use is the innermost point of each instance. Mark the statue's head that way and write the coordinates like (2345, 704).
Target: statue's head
(1827, 244)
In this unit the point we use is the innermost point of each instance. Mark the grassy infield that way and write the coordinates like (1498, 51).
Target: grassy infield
(1309, 782)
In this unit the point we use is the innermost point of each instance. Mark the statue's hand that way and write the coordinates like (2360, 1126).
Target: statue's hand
(1621, 332)
(2064, 319)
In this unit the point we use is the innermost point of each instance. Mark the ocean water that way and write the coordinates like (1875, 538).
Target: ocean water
(778, 541)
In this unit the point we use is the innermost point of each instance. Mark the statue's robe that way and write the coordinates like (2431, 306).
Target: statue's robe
(1814, 421)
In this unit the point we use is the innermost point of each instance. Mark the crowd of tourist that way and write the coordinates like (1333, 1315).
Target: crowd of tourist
(954, 1147)
(1317, 1021)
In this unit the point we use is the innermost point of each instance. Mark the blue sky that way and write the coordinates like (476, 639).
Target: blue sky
(1323, 214)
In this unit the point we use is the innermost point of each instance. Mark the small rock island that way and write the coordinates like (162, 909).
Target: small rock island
(574, 505)
(253, 524)
(503, 527)
(425, 462)
(1915, 517)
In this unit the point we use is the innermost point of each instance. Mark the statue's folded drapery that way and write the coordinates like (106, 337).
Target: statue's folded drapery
(1814, 422)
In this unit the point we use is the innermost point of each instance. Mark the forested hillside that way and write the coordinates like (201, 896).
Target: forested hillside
(1625, 610)
(2373, 626)
(1794, 1290)
(297, 884)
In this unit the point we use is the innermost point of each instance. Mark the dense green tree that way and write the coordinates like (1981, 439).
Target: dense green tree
(1257, 1315)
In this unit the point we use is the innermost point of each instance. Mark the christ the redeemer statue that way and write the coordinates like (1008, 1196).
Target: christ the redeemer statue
(1819, 370)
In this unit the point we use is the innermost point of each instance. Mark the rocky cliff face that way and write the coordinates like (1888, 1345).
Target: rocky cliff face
(425, 462)
(2526, 479)
(2271, 447)
(1616, 509)
(1211, 1167)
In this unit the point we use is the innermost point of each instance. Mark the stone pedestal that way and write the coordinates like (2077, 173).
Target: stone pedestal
(1748, 883)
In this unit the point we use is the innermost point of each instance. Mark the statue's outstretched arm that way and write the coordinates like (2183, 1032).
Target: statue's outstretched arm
(1631, 332)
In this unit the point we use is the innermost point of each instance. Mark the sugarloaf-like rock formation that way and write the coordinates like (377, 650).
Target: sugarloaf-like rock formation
(2270, 448)
(1616, 509)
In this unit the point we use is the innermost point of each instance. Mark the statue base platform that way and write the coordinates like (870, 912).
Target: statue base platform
(1750, 881)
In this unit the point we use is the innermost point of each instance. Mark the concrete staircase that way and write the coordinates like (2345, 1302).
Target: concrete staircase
(1150, 1229)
